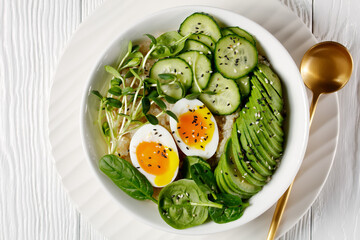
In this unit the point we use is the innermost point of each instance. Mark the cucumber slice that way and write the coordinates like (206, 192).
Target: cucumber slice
(242, 33)
(194, 45)
(226, 98)
(201, 67)
(176, 66)
(200, 23)
(205, 39)
(235, 56)
(244, 86)
(175, 90)
(226, 31)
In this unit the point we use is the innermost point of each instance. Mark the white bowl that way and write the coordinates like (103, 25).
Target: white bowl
(296, 124)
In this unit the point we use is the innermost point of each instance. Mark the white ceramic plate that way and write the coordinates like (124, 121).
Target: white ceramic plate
(81, 55)
(294, 92)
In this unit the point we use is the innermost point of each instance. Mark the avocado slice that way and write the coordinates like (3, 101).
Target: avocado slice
(272, 77)
(240, 159)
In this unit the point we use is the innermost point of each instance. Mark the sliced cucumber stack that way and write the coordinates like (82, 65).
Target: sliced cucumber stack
(201, 68)
(200, 23)
(222, 96)
(205, 39)
(240, 32)
(194, 45)
(235, 56)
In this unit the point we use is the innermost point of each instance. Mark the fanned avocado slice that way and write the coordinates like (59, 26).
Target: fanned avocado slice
(271, 76)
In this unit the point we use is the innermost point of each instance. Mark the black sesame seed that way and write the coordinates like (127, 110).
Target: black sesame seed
(149, 165)
(187, 148)
(201, 146)
(158, 166)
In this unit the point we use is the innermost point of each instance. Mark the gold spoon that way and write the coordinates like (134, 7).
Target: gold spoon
(325, 68)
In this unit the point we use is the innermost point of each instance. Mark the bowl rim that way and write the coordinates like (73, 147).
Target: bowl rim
(86, 93)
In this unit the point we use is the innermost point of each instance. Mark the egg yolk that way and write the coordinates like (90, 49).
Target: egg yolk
(159, 160)
(195, 127)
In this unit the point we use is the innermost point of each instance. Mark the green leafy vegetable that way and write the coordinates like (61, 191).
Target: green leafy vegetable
(204, 178)
(193, 96)
(152, 38)
(97, 93)
(188, 162)
(112, 71)
(126, 177)
(145, 105)
(233, 208)
(182, 204)
(115, 91)
(106, 129)
(152, 119)
(168, 44)
(170, 99)
(171, 114)
(159, 102)
(113, 102)
(116, 82)
(167, 76)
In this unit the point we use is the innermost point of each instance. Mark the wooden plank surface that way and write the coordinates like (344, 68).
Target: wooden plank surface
(33, 203)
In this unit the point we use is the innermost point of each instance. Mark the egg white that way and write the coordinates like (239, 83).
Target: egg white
(154, 133)
(182, 106)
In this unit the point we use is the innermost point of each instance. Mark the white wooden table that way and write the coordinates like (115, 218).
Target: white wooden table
(33, 203)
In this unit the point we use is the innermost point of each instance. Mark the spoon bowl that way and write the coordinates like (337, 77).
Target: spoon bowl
(326, 67)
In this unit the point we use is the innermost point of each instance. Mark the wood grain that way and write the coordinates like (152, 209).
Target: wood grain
(33, 204)
(336, 212)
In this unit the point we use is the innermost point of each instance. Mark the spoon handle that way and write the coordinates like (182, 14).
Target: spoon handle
(281, 204)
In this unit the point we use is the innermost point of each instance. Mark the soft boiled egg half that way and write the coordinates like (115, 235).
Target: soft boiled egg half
(196, 132)
(153, 152)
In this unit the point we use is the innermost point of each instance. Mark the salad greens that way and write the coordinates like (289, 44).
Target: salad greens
(182, 204)
(127, 177)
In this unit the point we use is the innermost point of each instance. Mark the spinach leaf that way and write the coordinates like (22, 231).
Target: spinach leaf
(182, 204)
(188, 162)
(204, 178)
(126, 177)
(233, 208)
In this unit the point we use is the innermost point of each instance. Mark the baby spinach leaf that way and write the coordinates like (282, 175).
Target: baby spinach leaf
(182, 204)
(126, 177)
(204, 178)
(188, 162)
(233, 208)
